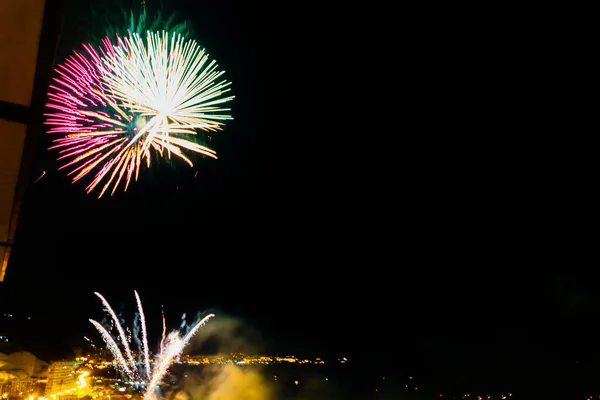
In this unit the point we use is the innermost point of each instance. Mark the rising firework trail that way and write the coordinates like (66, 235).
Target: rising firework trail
(144, 335)
(114, 349)
(115, 107)
(172, 345)
(120, 329)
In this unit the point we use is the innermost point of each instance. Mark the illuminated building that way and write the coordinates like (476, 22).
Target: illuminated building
(26, 26)
(61, 377)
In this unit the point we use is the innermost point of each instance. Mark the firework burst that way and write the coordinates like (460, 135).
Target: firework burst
(117, 106)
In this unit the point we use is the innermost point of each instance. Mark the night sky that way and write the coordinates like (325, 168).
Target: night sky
(377, 195)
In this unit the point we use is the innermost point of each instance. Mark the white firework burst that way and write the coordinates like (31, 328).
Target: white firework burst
(142, 96)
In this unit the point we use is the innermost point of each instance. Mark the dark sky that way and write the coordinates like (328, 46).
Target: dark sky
(378, 194)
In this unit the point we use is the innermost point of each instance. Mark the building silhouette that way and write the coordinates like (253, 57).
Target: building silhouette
(29, 32)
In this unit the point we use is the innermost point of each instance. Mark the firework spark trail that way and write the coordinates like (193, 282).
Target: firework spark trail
(164, 331)
(114, 349)
(163, 361)
(172, 346)
(119, 328)
(90, 342)
(144, 335)
(193, 331)
(175, 345)
(122, 102)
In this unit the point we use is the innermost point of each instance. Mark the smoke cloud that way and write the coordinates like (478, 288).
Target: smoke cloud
(226, 382)
(225, 334)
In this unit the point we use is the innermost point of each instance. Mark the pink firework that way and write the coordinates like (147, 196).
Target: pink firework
(114, 106)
